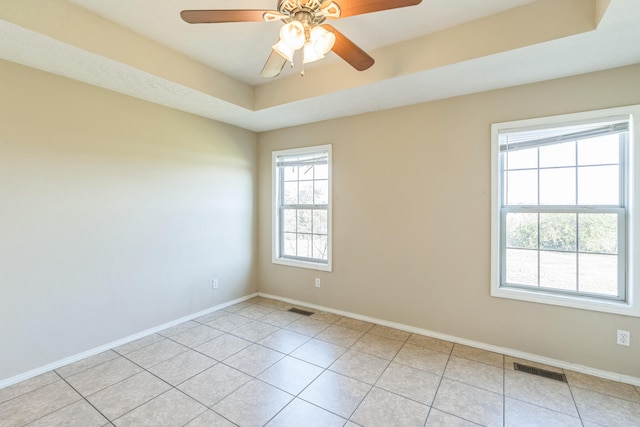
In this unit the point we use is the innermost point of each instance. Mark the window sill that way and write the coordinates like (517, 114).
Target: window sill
(615, 307)
(302, 264)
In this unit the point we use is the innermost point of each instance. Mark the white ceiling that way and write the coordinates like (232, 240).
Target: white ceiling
(330, 89)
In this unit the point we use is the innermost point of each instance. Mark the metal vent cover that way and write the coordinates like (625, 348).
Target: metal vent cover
(299, 311)
(540, 372)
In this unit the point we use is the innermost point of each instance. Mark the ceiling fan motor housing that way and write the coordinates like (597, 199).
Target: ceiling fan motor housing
(309, 12)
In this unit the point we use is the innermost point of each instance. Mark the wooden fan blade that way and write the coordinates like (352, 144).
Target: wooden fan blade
(349, 51)
(358, 7)
(273, 66)
(220, 16)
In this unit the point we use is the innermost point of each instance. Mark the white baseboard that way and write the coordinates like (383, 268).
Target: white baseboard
(614, 376)
(92, 352)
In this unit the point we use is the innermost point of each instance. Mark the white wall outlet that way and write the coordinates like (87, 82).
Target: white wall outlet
(317, 282)
(214, 284)
(624, 338)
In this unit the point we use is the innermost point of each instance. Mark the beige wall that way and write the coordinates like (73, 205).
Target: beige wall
(115, 215)
(411, 219)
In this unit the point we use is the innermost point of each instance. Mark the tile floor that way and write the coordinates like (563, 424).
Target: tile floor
(256, 364)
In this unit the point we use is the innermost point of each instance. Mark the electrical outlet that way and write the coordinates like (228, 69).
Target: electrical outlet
(624, 338)
(214, 284)
(317, 282)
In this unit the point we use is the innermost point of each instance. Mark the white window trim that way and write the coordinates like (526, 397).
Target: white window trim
(630, 307)
(275, 213)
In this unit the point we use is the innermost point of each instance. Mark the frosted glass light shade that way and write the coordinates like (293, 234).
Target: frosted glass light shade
(292, 34)
(322, 40)
(310, 54)
(283, 50)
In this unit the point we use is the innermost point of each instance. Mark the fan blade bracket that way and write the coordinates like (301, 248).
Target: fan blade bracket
(273, 15)
(331, 10)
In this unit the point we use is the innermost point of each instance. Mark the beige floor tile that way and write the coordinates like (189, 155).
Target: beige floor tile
(178, 329)
(606, 410)
(360, 366)
(223, 346)
(336, 393)
(382, 409)
(138, 344)
(169, 409)
(476, 374)
(284, 341)
(319, 353)
(301, 413)
(214, 384)
(379, 346)
(307, 326)
(228, 322)
(358, 325)
(78, 414)
(236, 307)
(603, 386)
(104, 375)
(210, 317)
(120, 398)
(272, 303)
(253, 404)
(410, 382)
(484, 356)
(253, 359)
(539, 391)
(469, 403)
(255, 311)
(519, 413)
(326, 317)
(26, 386)
(254, 331)
(156, 353)
(280, 318)
(197, 335)
(86, 363)
(387, 332)
(442, 419)
(291, 375)
(210, 419)
(37, 403)
(430, 343)
(422, 358)
(340, 335)
(182, 367)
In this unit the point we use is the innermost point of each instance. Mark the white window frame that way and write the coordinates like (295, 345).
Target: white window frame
(631, 305)
(275, 199)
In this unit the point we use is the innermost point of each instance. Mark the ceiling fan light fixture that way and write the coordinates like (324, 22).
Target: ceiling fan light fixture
(310, 54)
(322, 40)
(292, 34)
(283, 50)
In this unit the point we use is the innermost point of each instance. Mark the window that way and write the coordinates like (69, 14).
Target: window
(302, 207)
(562, 214)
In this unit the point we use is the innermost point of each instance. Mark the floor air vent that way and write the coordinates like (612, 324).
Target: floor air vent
(303, 312)
(540, 372)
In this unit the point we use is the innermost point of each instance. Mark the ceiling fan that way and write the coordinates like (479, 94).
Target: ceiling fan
(303, 28)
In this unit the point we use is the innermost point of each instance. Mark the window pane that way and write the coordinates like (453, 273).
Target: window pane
(522, 267)
(290, 220)
(598, 151)
(598, 233)
(290, 173)
(558, 231)
(321, 192)
(321, 172)
(290, 193)
(522, 188)
(522, 230)
(289, 244)
(598, 185)
(558, 155)
(319, 222)
(558, 270)
(306, 173)
(320, 247)
(304, 245)
(599, 274)
(304, 221)
(558, 186)
(522, 159)
(306, 192)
